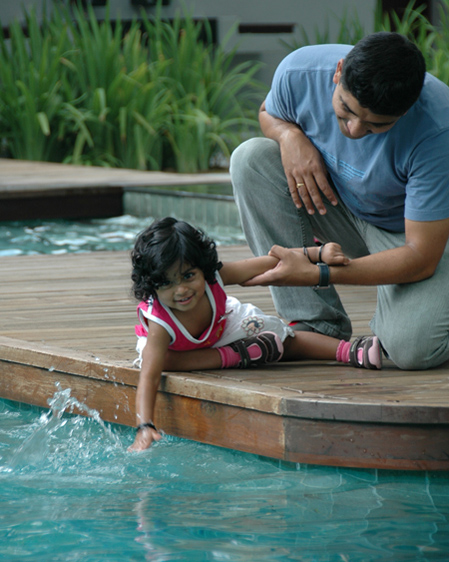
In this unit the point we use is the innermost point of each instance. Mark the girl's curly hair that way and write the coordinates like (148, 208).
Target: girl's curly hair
(162, 244)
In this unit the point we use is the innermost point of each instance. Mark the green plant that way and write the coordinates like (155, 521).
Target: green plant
(157, 94)
(212, 101)
(30, 95)
(121, 103)
(433, 41)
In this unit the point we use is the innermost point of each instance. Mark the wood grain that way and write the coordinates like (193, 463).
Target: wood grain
(69, 319)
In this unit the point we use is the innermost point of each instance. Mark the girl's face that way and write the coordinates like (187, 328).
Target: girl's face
(184, 289)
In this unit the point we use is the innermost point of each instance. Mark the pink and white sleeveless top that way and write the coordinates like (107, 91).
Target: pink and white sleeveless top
(180, 338)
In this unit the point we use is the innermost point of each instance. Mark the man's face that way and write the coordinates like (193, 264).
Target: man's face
(355, 121)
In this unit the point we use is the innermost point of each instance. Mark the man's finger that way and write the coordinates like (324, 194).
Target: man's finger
(292, 186)
(326, 189)
(264, 279)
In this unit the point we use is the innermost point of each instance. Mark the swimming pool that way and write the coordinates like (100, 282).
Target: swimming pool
(64, 236)
(71, 492)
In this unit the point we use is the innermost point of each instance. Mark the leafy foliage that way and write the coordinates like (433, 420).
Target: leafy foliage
(433, 41)
(149, 95)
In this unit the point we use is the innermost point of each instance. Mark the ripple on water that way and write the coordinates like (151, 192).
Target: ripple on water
(71, 491)
(65, 236)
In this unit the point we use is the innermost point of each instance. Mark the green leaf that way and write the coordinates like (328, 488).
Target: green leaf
(43, 122)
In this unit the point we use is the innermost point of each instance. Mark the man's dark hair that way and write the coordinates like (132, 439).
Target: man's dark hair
(385, 73)
(163, 243)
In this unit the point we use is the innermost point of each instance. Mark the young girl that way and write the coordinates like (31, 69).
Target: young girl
(178, 278)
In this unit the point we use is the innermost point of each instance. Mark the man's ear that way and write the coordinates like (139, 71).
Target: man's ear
(339, 70)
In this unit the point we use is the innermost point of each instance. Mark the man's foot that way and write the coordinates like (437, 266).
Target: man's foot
(366, 352)
(266, 347)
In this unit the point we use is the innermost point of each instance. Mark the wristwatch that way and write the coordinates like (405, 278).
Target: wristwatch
(323, 282)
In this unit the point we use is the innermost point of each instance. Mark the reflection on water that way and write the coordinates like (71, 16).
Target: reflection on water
(71, 492)
(64, 236)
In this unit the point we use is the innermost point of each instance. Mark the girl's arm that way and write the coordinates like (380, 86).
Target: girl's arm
(153, 358)
(238, 272)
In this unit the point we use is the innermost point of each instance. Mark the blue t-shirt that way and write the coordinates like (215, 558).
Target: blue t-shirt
(382, 177)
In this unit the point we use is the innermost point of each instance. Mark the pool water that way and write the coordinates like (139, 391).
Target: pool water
(64, 236)
(70, 491)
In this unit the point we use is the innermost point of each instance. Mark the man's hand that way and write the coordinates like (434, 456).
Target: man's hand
(293, 269)
(306, 173)
(303, 165)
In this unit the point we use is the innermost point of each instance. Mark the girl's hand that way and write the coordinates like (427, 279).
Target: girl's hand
(144, 439)
(332, 254)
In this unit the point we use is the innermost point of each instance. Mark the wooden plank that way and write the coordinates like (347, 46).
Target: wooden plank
(46, 190)
(87, 306)
(386, 446)
(34, 385)
(61, 204)
(24, 176)
(253, 389)
(207, 422)
(411, 447)
(70, 318)
(233, 427)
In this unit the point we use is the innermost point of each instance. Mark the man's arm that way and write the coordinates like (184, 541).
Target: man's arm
(238, 272)
(302, 163)
(413, 262)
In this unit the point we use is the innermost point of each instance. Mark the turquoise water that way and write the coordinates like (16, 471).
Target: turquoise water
(64, 236)
(70, 491)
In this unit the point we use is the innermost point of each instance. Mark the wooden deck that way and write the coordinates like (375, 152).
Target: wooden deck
(46, 190)
(69, 319)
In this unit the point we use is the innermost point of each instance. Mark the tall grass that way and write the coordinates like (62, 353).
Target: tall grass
(150, 95)
(211, 102)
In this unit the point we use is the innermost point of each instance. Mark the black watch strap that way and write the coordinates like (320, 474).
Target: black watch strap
(324, 279)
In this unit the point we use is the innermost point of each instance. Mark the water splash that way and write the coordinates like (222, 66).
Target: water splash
(57, 440)
(82, 494)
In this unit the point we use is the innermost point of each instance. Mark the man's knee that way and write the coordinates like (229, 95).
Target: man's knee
(250, 154)
(411, 353)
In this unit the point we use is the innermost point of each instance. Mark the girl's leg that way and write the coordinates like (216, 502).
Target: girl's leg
(364, 352)
(309, 345)
(260, 349)
(208, 358)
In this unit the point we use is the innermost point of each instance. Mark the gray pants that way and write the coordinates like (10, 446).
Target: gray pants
(411, 320)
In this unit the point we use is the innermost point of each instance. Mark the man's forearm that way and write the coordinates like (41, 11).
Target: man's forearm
(395, 266)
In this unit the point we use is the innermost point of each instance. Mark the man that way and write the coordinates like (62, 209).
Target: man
(356, 151)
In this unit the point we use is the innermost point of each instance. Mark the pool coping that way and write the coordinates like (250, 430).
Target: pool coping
(46, 190)
(210, 408)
